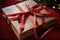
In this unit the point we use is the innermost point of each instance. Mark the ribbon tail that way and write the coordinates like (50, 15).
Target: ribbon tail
(35, 26)
(22, 23)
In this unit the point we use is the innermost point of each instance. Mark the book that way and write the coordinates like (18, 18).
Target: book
(28, 26)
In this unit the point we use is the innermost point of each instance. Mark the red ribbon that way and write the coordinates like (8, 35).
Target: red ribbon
(35, 12)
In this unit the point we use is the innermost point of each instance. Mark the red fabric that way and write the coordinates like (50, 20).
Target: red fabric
(6, 3)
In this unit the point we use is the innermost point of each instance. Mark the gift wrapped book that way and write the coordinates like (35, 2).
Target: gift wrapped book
(19, 9)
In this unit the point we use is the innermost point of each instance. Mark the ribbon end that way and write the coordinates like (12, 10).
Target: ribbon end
(21, 28)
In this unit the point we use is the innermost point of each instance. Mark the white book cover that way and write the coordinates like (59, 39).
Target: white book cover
(10, 10)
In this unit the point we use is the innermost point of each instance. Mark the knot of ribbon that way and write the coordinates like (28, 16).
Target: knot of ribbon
(19, 17)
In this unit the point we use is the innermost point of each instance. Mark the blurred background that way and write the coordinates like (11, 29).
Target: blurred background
(53, 4)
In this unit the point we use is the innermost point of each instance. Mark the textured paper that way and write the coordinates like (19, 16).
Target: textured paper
(44, 11)
(23, 6)
(16, 24)
(11, 10)
(32, 3)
